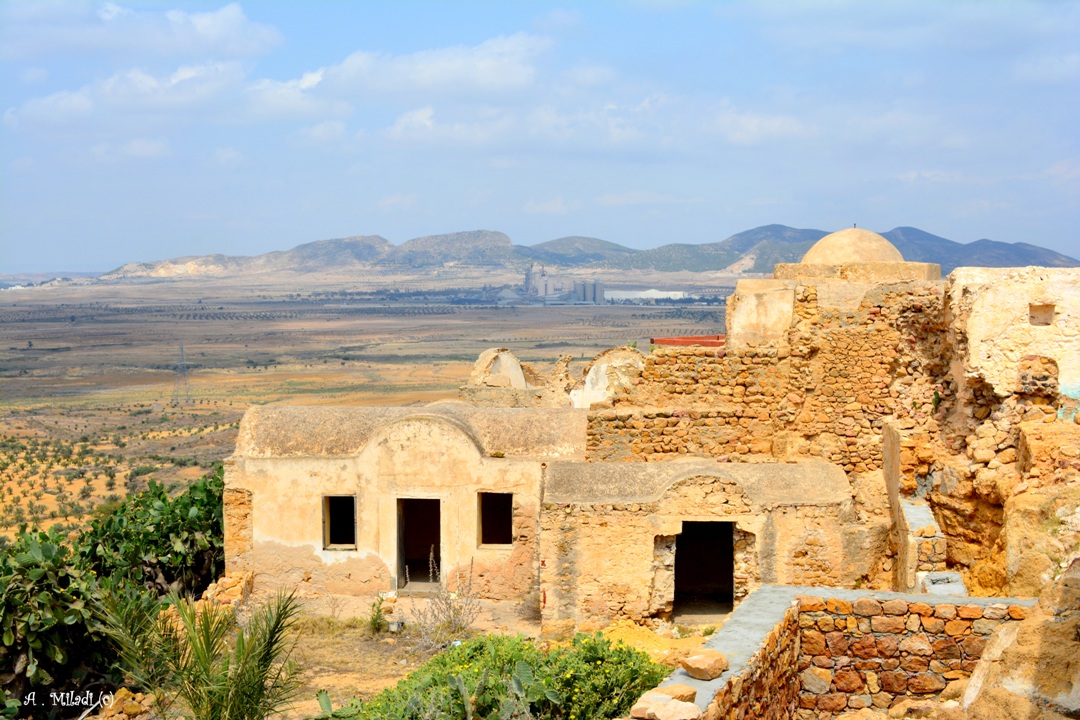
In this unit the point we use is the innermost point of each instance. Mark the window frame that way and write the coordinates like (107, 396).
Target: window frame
(326, 523)
(480, 520)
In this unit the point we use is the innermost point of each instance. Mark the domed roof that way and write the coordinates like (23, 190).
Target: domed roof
(852, 245)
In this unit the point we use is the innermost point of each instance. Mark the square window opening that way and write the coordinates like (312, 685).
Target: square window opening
(496, 515)
(1041, 314)
(339, 522)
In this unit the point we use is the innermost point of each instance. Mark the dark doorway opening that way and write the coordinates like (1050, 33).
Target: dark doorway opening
(705, 568)
(418, 540)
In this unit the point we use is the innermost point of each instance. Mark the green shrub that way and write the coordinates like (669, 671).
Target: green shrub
(162, 543)
(46, 601)
(52, 588)
(497, 676)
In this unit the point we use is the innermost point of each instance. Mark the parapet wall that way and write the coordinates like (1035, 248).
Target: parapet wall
(767, 686)
(813, 657)
(867, 652)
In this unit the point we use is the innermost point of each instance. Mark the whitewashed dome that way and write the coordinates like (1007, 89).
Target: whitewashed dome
(852, 245)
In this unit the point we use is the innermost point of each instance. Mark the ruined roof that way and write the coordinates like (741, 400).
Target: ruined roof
(767, 484)
(318, 431)
(852, 245)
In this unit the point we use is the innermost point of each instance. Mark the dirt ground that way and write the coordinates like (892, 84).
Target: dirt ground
(340, 655)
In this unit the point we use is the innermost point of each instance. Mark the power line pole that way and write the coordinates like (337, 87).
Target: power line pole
(182, 389)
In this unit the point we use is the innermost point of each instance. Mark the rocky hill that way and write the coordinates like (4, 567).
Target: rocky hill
(317, 256)
(752, 251)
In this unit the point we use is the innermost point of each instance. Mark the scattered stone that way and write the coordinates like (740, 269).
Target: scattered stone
(674, 710)
(679, 691)
(706, 664)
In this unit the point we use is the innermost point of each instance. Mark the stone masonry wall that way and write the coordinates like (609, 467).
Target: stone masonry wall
(767, 687)
(823, 392)
(870, 653)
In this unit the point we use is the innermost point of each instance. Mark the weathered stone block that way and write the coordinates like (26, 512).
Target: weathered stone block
(817, 681)
(894, 607)
(867, 607)
(848, 681)
(813, 642)
(969, 612)
(887, 624)
(894, 681)
(926, 683)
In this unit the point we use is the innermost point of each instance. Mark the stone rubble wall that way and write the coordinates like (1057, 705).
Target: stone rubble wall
(823, 392)
(868, 653)
(767, 686)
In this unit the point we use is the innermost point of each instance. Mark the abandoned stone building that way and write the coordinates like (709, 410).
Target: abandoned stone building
(867, 424)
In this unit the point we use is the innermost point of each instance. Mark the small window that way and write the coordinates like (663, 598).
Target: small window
(339, 522)
(1041, 314)
(496, 518)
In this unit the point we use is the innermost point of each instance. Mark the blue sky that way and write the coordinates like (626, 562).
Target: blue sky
(147, 130)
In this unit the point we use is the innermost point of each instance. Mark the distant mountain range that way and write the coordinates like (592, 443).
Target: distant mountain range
(752, 251)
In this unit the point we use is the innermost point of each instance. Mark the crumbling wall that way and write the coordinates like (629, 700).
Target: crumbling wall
(604, 561)
(601, 561)
(499, 379)
(824, 391)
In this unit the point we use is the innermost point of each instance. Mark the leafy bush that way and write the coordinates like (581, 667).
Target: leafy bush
(162, 543)
(510, 677)
(46, 601)
(51, 587)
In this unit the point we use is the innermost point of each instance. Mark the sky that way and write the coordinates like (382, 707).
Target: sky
(148, 130)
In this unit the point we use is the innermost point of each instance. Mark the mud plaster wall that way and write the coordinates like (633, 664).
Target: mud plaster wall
(604, 561)
(420, 457)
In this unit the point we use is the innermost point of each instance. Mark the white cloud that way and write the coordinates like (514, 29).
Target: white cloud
(142, 148)
(980, 206)
(189, 84)
(228, 157)
(644, 197)
(138, 148)
(747, 128)
(1065, 171)
(420, 125)
(52, 28)
(408, 123)
(591, 75)
(554, 206)
(1049, 69)
(324, 132)
(397, 202)
(933, 176)
(293, 97)
(500, 64)
(130, 91)
(33, 75)
(558, 20)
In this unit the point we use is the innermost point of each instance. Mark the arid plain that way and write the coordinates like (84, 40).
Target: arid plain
(88, 373)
